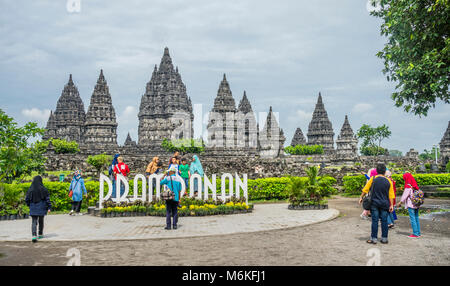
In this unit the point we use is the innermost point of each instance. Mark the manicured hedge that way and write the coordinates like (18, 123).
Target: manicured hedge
(355, 184)
(258, 189)
(304, 149)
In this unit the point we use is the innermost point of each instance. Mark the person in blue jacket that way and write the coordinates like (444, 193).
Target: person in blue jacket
(172, 205)
(78, 188)
(38, 199)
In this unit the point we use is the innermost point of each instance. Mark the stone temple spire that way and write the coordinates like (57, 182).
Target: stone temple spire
(129, 142)
(67, 122)
(165, 106)
(247, 133)
(222, 125)
(320, 129)
(347, 143)
(444, 146)
(224, 101)
(101, 126)
(50, 129)
(299, 138)
(244, 104)
(271, 137)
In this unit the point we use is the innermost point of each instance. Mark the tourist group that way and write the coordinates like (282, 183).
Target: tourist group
(378, 198)
(38, 197)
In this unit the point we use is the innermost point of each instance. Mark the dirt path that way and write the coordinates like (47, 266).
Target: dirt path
(337, 242)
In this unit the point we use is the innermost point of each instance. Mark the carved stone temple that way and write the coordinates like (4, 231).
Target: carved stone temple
(346, 143)
(299, 138)
(166, 112)
(165, 106)
(444, 146)
(320, 130)
(101, 126)
(67, 122)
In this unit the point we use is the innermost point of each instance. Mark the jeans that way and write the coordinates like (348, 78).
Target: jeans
(414, 219)
(171, 211)
(34, 221)
(76, 206)
(390, 218)
(113, 195)
(378, 213)
(186, 182)
(122, 189)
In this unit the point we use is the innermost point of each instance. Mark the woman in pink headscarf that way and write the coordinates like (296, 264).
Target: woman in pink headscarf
(410, 186)
(371, 173)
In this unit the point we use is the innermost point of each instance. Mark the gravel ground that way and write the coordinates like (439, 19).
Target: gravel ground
(337, 242)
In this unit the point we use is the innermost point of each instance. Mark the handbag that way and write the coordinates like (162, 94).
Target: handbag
(367, 200)
(168, 195)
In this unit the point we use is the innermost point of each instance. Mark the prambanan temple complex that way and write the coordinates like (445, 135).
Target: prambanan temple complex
(235, 141)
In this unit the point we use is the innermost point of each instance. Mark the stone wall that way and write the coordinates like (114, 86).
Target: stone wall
(240, 161)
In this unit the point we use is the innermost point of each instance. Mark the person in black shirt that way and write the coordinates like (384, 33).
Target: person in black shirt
(382, 203)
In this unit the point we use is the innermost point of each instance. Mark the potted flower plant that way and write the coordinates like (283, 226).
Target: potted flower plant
(13, 214)
(24, 211)
(2, 214)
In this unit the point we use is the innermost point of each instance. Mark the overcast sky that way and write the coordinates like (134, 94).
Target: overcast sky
(281, 52)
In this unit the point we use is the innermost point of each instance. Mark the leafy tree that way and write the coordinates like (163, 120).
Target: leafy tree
(99, 162)
(65, 147)
(372, 138)
(304, 149)
(395, 153)
(184, 145)
(19, 158)
(417, 53)
(429, 155)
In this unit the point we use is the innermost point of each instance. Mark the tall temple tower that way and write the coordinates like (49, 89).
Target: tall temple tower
(320, 129)
(101, 126)
(165, 110)
(271, 137)
(444, 146)
(347, 143)
(247, 133)
(67, 122)
(299, 138)
(222, 127)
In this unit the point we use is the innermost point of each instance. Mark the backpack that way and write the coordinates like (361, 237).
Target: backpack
(417, 197)
(168, 195)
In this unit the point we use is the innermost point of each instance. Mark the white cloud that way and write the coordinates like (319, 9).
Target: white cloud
(35, 114)
(362, 107)
(303, 115)
(129, 114)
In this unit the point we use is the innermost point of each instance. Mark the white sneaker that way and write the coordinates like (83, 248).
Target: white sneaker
(71, 212)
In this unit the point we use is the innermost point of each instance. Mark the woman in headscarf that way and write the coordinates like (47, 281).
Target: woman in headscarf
(78, 188)
(196, 168)
(38, 199)
(111, 174)
(410, 186)
(391, 216)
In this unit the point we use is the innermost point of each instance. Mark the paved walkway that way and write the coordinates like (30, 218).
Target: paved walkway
(88, 228)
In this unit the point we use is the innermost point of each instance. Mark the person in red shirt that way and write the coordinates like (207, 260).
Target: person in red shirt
(121, 168)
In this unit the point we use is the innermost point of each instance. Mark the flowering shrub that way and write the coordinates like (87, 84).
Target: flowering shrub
(189, 207)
